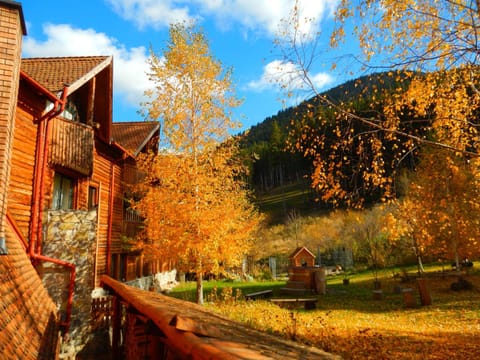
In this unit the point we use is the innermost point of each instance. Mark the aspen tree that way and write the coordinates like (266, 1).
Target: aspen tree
(197, 208)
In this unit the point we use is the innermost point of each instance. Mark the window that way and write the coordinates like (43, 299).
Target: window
(63, 187)
(92, 197)
(70, 112)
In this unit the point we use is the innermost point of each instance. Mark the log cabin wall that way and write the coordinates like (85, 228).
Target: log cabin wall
(28, 317)
(104, 168)
(21, 187)
(23, 159)
(102, 172)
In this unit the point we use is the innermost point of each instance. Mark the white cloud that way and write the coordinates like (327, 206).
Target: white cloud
(130, 66)
(268, 15)
(265, 16)
(289, 77)
(153, 13)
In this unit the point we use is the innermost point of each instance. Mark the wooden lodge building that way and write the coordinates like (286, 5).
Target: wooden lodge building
(65, 167)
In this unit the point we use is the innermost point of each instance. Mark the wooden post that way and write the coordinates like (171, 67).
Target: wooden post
(116, 325)
(408, 298)
(425, 297)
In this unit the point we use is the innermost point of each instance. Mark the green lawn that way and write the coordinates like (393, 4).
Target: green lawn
(362, 283)
(187, 290)
(348, 321)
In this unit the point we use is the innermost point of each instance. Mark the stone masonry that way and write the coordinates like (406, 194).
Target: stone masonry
(71, 236)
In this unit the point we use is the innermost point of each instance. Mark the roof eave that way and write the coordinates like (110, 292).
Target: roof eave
(147, 138)
(52, 97)
(89, 75)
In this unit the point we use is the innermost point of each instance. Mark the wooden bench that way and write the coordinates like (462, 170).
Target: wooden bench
(254, 295)
(308, 303)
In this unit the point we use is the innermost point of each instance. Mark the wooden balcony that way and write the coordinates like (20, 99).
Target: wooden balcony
(132, 223)
(71, 146)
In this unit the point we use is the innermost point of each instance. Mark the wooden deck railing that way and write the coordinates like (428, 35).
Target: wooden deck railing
(71, 146)
(161, 327)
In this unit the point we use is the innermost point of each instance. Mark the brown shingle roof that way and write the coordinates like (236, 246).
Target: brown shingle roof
(28, 316)
(56, 72)
(134, 135)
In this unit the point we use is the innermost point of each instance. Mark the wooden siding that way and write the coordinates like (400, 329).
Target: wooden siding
(71, 146)
(102, 174)
(103, 156)
(21, 179)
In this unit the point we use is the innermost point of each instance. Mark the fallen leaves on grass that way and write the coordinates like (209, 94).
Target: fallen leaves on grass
(447, 329)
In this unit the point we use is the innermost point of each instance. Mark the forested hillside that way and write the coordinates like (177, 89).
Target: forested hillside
(275, 164)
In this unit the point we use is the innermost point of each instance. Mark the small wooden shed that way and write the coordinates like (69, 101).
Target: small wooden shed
(302, 257)
(303, 275)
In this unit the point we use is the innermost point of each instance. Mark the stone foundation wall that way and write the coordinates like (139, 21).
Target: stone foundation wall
(71, 237)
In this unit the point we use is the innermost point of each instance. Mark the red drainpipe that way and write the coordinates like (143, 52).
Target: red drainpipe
(41, 159)
(43, 139)
(39, 257)
(43, 168)
(38, 173)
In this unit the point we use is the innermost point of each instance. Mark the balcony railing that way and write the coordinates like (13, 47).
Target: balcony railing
(71, 146)
(132, 223)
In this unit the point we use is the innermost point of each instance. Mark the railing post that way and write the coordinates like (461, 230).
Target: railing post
(116, 327)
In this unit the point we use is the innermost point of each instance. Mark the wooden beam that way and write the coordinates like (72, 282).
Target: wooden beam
(91, 101)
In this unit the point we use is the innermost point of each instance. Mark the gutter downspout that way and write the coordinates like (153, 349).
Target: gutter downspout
(43, 139)
(41, 196)
(40, 156)
(43, 168)
(38, 173)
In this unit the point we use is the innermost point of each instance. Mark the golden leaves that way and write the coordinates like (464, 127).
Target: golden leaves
(196, 206)
(356, 328)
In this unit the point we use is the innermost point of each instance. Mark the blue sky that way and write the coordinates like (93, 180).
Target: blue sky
(240, 34)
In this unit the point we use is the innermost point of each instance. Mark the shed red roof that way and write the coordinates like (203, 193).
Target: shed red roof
(299, 250)
(133, 136)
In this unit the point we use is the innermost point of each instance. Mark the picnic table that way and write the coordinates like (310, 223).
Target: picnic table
(308, 303)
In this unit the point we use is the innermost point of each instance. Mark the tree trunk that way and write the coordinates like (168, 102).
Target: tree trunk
(421, 270)
(199, 288)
